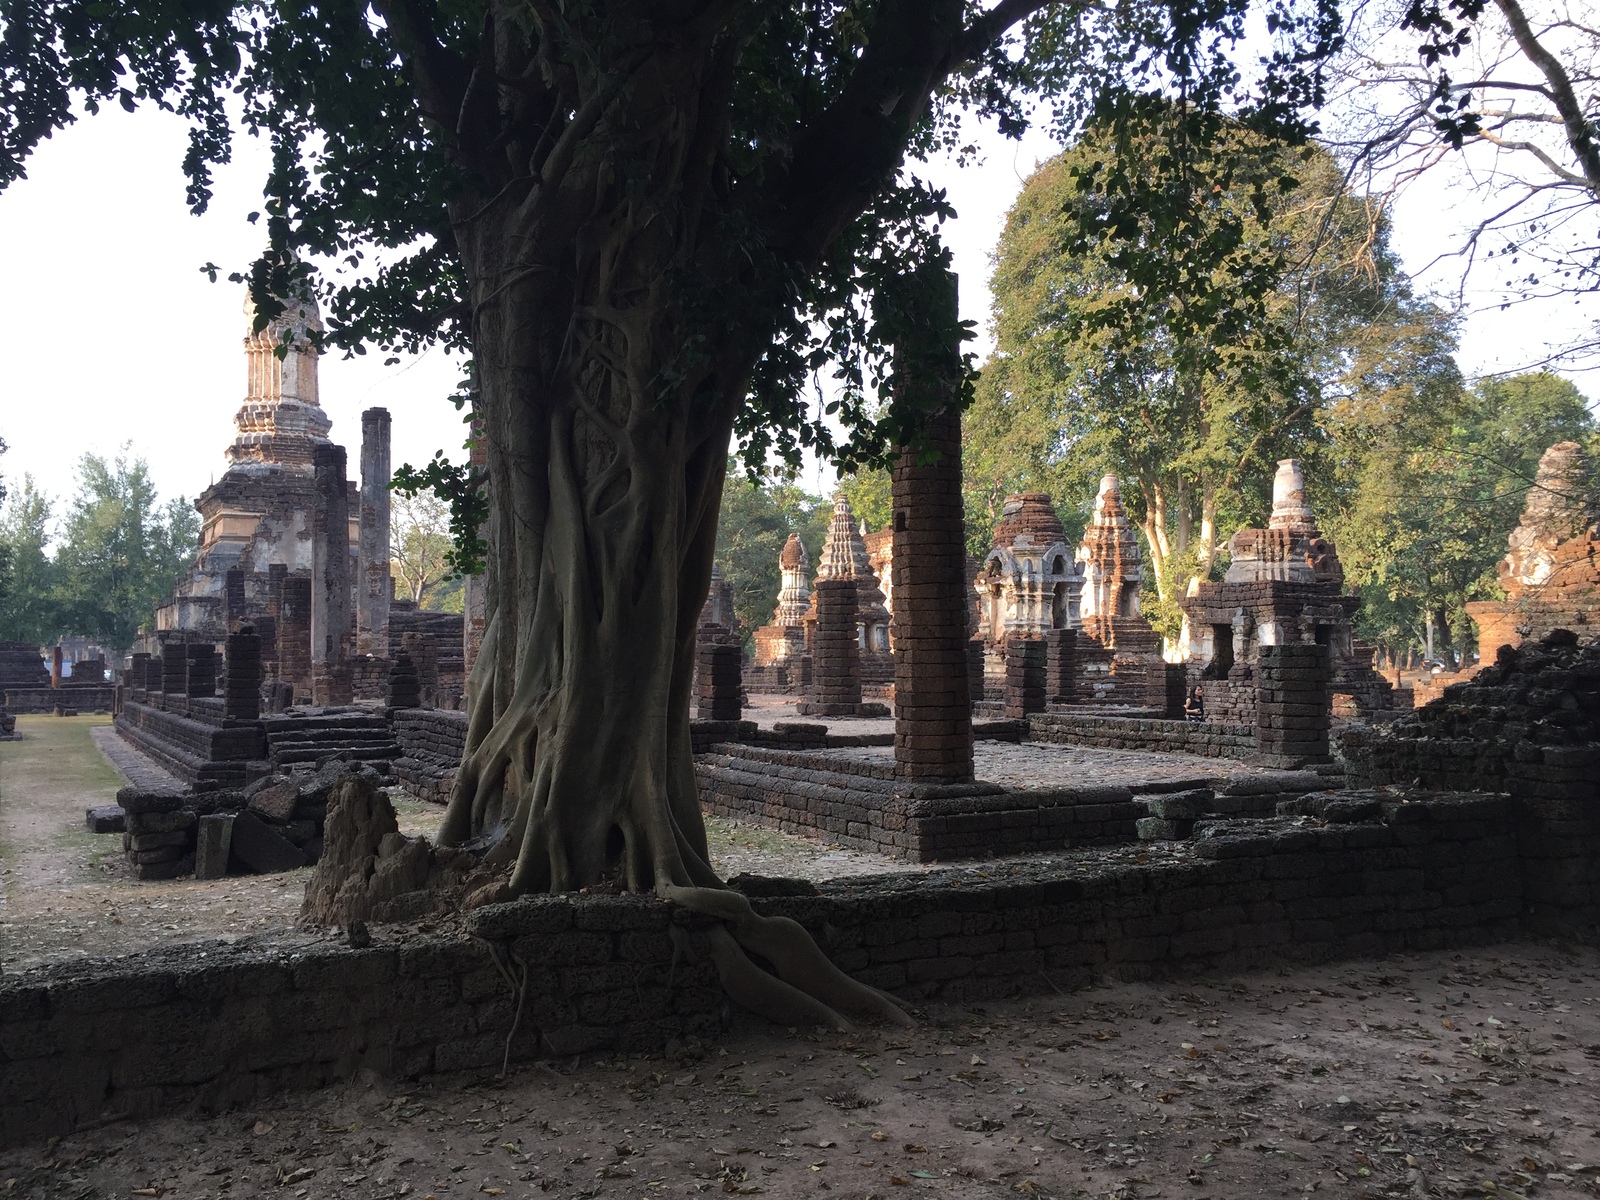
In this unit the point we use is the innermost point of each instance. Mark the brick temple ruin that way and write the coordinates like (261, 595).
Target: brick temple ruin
(1284, 586)
(1252, 843)
(1297, 821)
(282, 646)
(1551, 571)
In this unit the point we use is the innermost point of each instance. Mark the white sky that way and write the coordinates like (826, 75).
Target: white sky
(110, 334)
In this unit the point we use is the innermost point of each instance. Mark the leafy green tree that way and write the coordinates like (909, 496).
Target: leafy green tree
(419, 542)
(1193, 403)
(121, 551)
(652, 224)
(757, 519)
(1429, 499)
(29, 610)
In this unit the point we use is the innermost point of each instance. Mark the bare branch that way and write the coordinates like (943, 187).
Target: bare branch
(1579, 134)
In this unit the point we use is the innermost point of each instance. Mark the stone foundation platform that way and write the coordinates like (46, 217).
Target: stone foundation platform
(1210, 740)
(856, 803)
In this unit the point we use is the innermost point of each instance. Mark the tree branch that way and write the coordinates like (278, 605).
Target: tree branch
(1579, 134)
(441, 79)
(843, 157)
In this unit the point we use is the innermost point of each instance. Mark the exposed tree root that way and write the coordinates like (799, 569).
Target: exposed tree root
(808, 988)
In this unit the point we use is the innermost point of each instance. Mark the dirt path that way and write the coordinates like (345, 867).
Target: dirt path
(1439, 1075)
(67, 892)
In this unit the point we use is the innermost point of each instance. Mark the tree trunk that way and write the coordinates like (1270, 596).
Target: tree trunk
(604, 500)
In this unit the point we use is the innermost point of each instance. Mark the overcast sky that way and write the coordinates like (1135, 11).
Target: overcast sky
(111, 335)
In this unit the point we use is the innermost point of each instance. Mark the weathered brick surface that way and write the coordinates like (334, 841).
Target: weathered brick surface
(1529, 726)
(1340, 875)
(210, 1027)
(858, 804)
(432, 741)
(1211, 739)
(1440, 871)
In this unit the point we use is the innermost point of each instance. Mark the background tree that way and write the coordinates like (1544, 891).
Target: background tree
(1426, 510)
(121, 551)
(1500, 98)
(652, 224)
(757, 519)
(1191, 411)
(419, 541)
(29, 606)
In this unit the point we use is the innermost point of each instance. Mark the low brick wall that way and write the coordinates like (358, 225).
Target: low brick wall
(1205, 738)
(1440, 872)
(207, 753)
(214, 1026)
(432, 741)
(857, 804)
(85, 697)
(211, 1027)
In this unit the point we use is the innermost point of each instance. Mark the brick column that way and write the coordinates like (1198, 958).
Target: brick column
(372, 576)
(720, 683)
(1060, 666)
(932, 694)
(200, 669)
(139, 672)
(836, 653)
(294, 633)
(241, 686)
(174, 667)
(55, 667)
(405, 689)
(1025, 672)
(976, 684)
(424, 651)
(330, 576)
(1294, 704)
(1167, 689)
(233, 597)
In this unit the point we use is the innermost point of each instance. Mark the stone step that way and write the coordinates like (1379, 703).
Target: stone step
(374, 754)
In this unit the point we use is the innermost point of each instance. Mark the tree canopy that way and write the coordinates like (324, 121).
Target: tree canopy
(1301, 306)
(1422, 510)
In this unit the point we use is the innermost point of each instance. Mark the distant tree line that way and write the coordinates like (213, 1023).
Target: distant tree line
(100, 572)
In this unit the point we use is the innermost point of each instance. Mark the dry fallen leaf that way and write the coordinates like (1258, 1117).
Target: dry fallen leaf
(880, 1136)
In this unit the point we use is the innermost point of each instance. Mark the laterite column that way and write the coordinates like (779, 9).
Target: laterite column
(932, 692)
(932, 685)
(836, 654)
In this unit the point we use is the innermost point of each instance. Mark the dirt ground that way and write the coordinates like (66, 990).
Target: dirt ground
(67, 893)
(1429, 1075)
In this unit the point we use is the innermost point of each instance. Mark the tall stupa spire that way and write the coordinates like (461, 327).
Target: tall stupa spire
(281, 418)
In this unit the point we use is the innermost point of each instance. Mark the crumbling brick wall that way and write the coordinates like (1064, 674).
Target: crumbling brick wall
(1529, 726)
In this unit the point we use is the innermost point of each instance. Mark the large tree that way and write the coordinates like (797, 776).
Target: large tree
(652, 222)
(1497, 100)
(1193, 402)
(29, 607)
(121, 551)
(1427, 492)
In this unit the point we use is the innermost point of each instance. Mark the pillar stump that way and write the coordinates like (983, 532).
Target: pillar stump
(241, 685)
(1294, 704)
(1025, 673)
(1060, 666)
(200, 669)
(836, 651)
(719, 683)
(932, 686)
